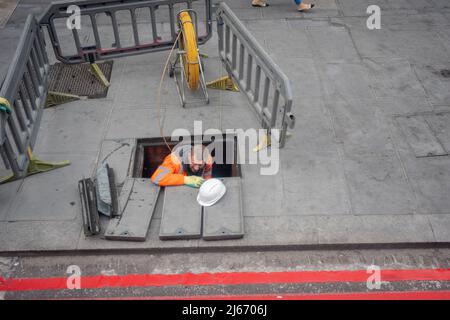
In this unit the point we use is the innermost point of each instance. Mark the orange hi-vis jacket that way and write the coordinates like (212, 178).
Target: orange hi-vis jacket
(174, 168)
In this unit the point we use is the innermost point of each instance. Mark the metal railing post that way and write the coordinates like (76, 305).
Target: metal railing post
(272, 102)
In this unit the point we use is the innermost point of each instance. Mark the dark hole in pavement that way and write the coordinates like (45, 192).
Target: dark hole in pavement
(150, 153)
(445, 73)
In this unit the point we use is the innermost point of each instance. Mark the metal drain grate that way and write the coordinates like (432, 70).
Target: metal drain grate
(78, 80)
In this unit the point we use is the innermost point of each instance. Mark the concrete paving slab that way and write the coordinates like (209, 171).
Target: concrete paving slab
(21, 12)
(152, 242)
(276, 231)
(304, 78)
(441, 226)
(346, 81)
(134, 222)
(182, 215)
(374, 229)
(249, 14)
(435, 82)
(428, 176)
(393, 78)
(332, 44)
(431, 182)
(133, 124)
(59, 135)
(294, 44)
(422, 47)
(313, 132)
(418, 22)
(378, 185)
(118, 154)
(420, 136)
(59, 199)
(139, 123)
(444, 33)
(7, 8)
(313, 184)
(360, 126)
(10, 35)
(440, 125)
(358, 8)
(373, 43)
(259, 203)
(40, 235)
(210, 116)
(224, 220)
(404, 105)
(8, 192)
(241, 116)
(139, 85)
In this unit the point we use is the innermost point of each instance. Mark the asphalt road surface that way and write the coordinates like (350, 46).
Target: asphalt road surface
(403, 274)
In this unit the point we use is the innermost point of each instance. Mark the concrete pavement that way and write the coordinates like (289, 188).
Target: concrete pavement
(318, 274)
(351, 174)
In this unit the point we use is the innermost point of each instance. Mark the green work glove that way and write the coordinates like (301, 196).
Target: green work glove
(193, 181)
(5, 106)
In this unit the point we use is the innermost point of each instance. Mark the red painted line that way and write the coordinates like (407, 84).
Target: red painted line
(404, 295)
(231, 278)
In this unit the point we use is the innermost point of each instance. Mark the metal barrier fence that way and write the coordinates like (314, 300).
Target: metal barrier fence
(121, 18)
(25, 87)
(267, 88)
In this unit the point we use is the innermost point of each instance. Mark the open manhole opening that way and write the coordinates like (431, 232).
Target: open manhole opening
(150, 153)
(78, 80)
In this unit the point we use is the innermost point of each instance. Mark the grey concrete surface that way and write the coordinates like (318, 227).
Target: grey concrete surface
(7, 8)
(220, 262)
(181, 214)
(137, 213)
(348, 174)
(224, 220)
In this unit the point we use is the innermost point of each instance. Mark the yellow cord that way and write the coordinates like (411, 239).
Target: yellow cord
(189, 45)
(190, 62)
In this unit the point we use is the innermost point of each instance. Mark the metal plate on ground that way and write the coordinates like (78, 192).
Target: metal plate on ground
(138, 199)
(86, 189)
(420, 136)
(181, 214)
(119, 156)
(224, 220)
(77, 79)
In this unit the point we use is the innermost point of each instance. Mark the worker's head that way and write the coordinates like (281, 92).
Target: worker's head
(198, 158)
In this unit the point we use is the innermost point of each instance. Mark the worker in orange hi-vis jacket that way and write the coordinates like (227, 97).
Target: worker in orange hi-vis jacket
(186, 165)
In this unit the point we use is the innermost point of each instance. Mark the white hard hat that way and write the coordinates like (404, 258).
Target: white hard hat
(211, 191)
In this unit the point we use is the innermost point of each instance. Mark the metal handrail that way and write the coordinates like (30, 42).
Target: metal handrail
(25, 87)
(248, 63)
(101, 51)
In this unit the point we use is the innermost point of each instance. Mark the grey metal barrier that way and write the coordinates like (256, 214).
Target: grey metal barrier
(267, 88)
(25, 87)
(118, 28)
